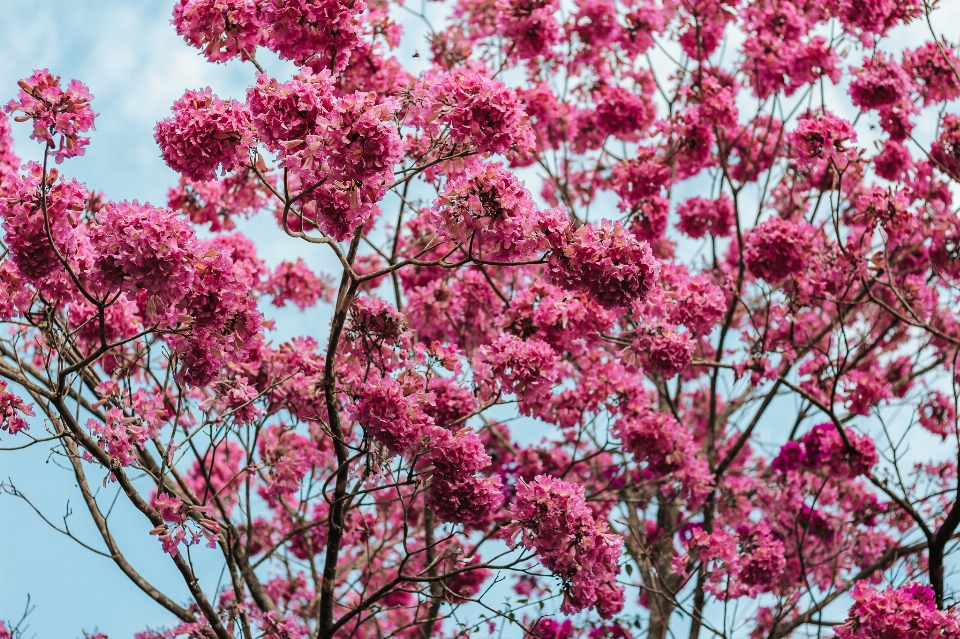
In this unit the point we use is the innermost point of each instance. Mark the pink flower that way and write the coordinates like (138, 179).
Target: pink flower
(391, 415)
(489, 211)
(11, 409)
(320, 33)
(551, 517)
(478, 111)
(663, 349)
(880, 82)
(607, 263)
(119, 435)
(291, 110)
(876, 17)
(26, 229)
(777, 249)
(938, 414)
(295, 282)
(622, 113)
(55, 112)
(909, 612)
(946, 150)
(529, 25)
(470, 500)
(932, 68)
(526, 368)
(223, 29)
(823, 137)
(893, 161)
(140, 247)
(656, 439)
(822, 449)
(204, 133)
(699, 216)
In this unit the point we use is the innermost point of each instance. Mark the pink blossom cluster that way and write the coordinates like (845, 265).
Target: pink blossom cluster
(296, 282)
(608, 263)
(746, 563)
(525, 368)
(663, 349)
(204, 133)
(823, 449)
(142, 248)
(908, 612)
(457, 493)
(477, 112)
(34, 213)
(392, 414)
(290, 111)
(551, 517)
(489, 210)
(12, 411)
(318, 33)
(223, 29)
(55, 113)
(700, 217)
(778, 249)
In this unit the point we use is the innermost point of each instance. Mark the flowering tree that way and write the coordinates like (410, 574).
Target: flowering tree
(725, 314)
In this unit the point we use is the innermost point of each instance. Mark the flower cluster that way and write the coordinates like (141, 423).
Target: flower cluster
(204, 133)
(143, 248)
(55, 113)
(608, 263)
(12, 411)
(551, 517)
(478, 112)
(320, 33)
(224, 29)
(909, 612)
(823, 449)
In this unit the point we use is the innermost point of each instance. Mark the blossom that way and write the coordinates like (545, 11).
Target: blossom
(823, 449)
(946, 150)
(607, 263)
(284, 112)
(141, 247)
(223, 29)
(656, 439)
(932, 67)
(893, 161)
(470, 500)
(824, 137)
(489, 209)
(321, 33)
(478, 111)
(699, 216)
(55, 113)
(527, 368)
(880, 82)
(119, 435)
(777, 249)
(663, 349)
(218, 202)
(551, 517)
(295, 282)
(530, 25)
(938, 414)
(909, 612)
(12, 410)
(204, 133)
(37, 261)
(622, 113)
(391, 415)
